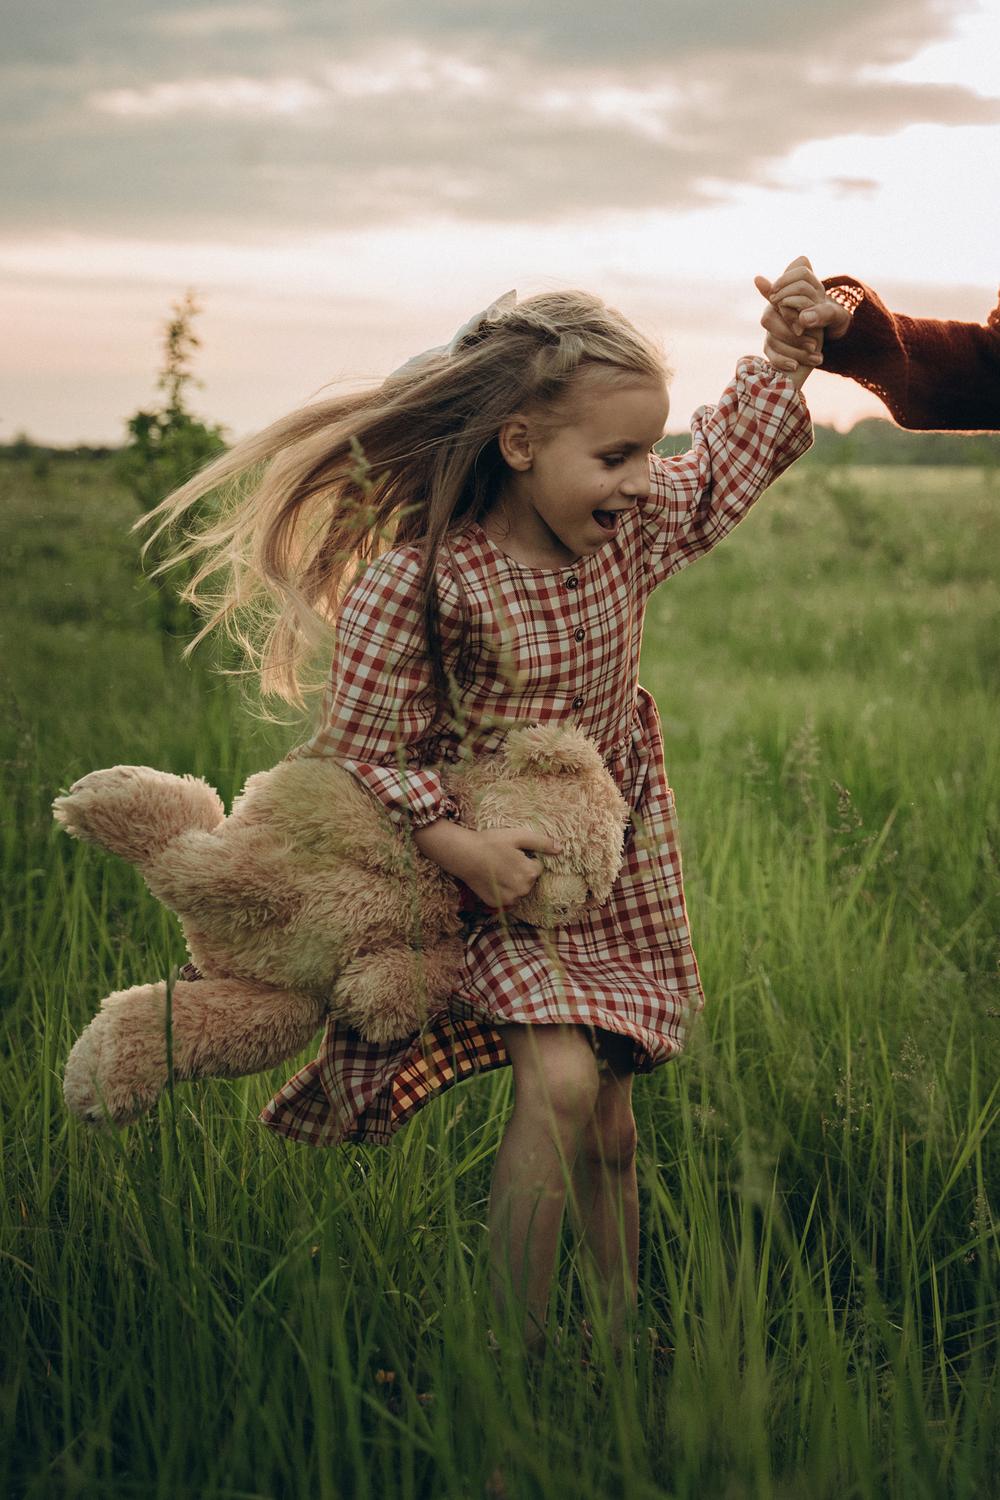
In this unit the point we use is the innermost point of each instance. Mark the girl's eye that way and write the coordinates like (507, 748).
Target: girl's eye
(613, 460)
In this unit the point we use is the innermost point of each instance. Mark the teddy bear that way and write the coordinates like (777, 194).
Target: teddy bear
(309, 900)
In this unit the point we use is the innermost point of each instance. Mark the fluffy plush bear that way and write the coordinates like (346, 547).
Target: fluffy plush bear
(309, 900)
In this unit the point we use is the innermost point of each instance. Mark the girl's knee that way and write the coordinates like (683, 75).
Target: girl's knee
(569, 1093)
(555, 1077)
(611, 1137)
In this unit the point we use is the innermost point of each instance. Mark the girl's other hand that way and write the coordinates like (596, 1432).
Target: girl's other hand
(495, 863)
(503, 866)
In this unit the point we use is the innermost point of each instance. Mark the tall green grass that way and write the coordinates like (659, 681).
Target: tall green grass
(192, 1308)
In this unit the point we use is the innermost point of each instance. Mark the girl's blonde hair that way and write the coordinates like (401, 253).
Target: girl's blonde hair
(322, 492)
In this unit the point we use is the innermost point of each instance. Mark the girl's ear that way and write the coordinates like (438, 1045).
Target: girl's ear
(516, 444)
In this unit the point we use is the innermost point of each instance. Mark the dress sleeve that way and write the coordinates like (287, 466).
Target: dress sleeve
(379, 713)
(942, 376)
(739, 447)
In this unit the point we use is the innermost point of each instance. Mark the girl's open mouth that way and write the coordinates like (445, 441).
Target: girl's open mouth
(608, 519)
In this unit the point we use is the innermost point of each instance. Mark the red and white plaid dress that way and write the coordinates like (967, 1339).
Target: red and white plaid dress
(547, 644)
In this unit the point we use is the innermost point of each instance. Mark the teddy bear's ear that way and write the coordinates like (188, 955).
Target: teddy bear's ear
(549, 749)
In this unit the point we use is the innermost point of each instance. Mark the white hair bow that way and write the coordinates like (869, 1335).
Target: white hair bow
(487, 315)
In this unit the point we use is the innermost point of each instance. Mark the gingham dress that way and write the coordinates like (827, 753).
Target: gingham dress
(548, 644)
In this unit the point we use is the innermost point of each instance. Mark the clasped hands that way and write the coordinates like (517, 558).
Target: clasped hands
(798, 317)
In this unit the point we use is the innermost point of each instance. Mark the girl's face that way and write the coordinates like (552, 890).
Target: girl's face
(567, 488)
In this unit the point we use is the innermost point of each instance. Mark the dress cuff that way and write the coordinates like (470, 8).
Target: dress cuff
(447, 808)
(412, 797)
(759, 381)
(763, 405)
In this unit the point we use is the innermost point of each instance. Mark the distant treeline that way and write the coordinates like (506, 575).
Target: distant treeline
(871, 442)
(27, 450)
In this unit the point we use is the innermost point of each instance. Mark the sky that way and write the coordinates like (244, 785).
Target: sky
(344, 182)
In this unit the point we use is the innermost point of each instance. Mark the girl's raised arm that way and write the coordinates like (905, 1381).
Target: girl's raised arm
(739, 447)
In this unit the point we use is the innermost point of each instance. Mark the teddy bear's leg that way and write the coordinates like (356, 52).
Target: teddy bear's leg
(388, 995)
(219, 1028)
(221, 885)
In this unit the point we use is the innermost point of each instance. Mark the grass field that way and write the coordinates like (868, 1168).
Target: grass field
(194, 1310)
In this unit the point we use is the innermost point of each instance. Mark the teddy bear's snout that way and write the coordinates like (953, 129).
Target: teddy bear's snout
(555, 898)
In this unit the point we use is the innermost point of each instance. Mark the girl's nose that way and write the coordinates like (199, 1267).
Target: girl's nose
(636, 486)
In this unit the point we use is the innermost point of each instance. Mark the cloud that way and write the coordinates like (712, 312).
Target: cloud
(158, 33)
(849, 187)
(411, 70)
(246, 118)
(252, 97)
(218, 20)
(391, 77)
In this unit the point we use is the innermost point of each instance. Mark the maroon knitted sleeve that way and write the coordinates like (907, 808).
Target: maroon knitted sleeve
(931, 375)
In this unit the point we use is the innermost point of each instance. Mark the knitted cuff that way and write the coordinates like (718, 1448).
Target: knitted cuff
(871, 351)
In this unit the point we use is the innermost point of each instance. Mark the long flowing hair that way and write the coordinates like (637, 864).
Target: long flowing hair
(299, 508)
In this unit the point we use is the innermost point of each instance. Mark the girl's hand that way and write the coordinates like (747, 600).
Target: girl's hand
(495, 863)
(504, 867)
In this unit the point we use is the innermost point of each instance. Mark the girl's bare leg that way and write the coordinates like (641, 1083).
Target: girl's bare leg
(605, 1192)
(555, 1092)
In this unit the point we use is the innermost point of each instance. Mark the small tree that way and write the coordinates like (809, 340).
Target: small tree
(166, 446)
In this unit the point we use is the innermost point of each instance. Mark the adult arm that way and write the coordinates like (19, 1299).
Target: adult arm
(929, 373)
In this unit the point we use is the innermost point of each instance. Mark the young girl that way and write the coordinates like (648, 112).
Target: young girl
(514, 520)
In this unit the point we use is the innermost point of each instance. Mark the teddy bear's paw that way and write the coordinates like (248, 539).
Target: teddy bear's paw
(117, 1070)
(93, 1099)
(81, 1082)
(387, 996)
(135, 811)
